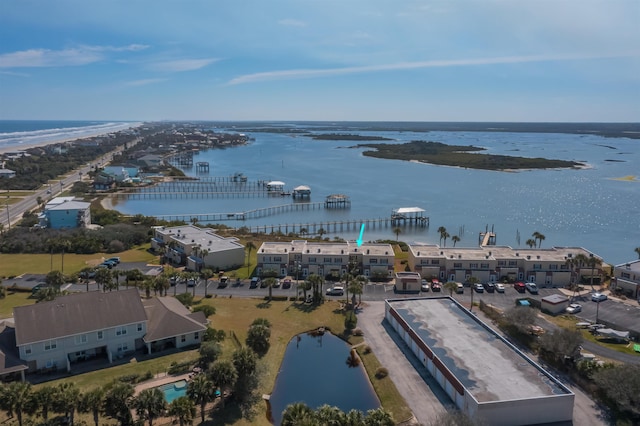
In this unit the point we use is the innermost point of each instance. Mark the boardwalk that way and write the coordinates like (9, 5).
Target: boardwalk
(245, 215)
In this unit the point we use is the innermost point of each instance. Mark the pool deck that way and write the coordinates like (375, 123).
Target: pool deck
(161, 379)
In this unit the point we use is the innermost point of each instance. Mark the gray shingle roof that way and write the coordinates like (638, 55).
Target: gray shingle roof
(76, 314)
(168, 318)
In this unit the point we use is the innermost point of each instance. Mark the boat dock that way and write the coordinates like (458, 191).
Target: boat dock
(326, 227)
(246, 215)
(409, 215)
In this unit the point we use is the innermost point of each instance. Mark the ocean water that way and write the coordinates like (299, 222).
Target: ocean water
(591, 207)
(18, 134)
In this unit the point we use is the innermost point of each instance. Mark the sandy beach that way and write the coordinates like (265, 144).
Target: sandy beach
(62, 139)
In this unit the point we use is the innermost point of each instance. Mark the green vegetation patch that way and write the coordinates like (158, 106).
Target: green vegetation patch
(347, 137)
(460, 156)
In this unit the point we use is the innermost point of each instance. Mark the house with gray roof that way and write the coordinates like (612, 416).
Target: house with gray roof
(57, 334)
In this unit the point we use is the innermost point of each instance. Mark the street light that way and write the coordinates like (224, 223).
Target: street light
(8, 215)
(597, 310)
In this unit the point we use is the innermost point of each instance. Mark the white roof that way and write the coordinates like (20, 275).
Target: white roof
(409, 210)
(275, 183)
(302, 188)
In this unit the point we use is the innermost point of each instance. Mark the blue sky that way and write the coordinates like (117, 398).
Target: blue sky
(396, 60)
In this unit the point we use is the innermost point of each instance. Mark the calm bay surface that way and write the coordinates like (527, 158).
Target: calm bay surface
(590, 208)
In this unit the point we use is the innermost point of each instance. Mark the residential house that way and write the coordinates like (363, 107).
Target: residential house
(65, 212)
(104, 181)
(7, 174)
(58, 334)
(549, 267)
(328, 259)
(197, 248)
(626, 279)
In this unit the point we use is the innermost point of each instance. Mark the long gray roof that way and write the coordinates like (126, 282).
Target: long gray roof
(77, 314)
(169, 318)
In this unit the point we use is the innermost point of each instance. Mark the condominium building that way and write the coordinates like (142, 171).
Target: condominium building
(302, 258)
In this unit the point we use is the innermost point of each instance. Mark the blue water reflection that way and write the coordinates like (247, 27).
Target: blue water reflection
(314, 370)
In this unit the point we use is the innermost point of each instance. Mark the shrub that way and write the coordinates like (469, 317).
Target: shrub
(350, 320)
(358, 332)
(180, 368)
(381, 373)
(366, 350)
(208, 310)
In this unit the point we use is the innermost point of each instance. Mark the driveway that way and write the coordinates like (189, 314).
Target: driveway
(421, 392)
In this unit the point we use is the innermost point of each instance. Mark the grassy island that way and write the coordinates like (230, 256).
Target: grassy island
(461, 156)
(347, 137)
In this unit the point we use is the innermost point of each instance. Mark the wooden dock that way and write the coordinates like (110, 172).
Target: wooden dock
(327, 227)
(245, 215)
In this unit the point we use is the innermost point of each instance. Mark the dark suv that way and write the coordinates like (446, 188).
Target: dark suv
(490, 287)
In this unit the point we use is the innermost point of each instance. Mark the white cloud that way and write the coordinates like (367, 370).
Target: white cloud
(312, 73)
(76, 56)
(180, 65)
(292, 23)
(144, 82)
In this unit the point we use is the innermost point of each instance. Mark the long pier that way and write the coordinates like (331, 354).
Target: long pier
(245, 215)
(327, 227)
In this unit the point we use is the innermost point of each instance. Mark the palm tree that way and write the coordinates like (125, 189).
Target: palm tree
(328, 415)
(354, 418)
(593, 262)
(455, 239)
(44, 398)
(67, 400)
(444, 237)
(355, 287)
(537, 236)
(150, 404)
(637, 250)
(184, 410)
(397, 230)
(321, 232)
(223, 374)
(206, 273)
(201, 391)
(316, 281)
(16, 397)
(269, 282)
(442, 230)
(472, 280)
(451, 286)
(249, 246)
(306, 285)
(378, 417)
(117, 402)
(297, 414)
(531, 243)
(137, 276)
(91, 402)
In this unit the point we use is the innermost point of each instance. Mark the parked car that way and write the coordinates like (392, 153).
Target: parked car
(36, 288)
(115, 260)
(531, 288)
(335, 291)
(286, 283)
(519, 287)
(490, 287)
(478, 287)
(173, 280)
(574, 308)
(107, 265)
(435, 285)
(87, 274)
(191, 282)
(598, 297)
(500, 287)
(255, 281)
(424, 285)
(459, 288)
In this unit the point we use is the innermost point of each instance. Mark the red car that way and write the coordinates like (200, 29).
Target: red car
(519, 287)
(435, 285)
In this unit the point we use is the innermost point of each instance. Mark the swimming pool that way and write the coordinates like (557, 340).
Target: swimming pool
(174, 390)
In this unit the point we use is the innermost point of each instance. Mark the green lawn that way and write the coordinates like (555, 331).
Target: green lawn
(12, 300)
(12, 265)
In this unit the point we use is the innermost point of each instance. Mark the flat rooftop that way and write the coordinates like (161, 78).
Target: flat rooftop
(487, 366)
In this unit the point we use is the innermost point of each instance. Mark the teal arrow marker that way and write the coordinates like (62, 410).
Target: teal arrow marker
(359, 240)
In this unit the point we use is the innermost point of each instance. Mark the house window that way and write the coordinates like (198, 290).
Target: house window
(484, 266)
(473, 265)
(183, 338)
(373, 260)
(327, 260)
(123, 347)
(100, 335)
(121, 331)
(513, 263)
(27, 350)
(553, 267)
(501, 263)
(196, 336)
(277, 259)
(564, 266)
(384, 261)
(435, 261)
(537, 266)
(50, 345)
(81, 339)
(457, 265)
(625, 275)
(337, 260)
(312, 260)
(140, 327)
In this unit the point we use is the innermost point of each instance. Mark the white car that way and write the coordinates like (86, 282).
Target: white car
(598, 297)
(335, 291)
(574, 308)
(500, 287)
(531, 287)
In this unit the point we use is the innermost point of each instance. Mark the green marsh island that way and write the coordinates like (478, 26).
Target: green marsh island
(461, 156)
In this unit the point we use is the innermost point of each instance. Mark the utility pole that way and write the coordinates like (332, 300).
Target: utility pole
(8, 215)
